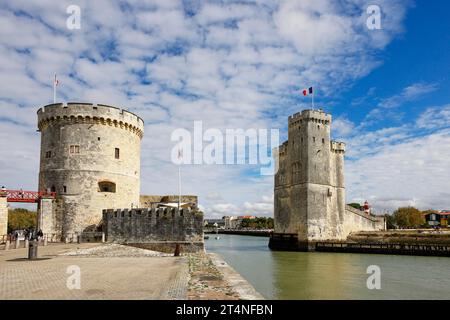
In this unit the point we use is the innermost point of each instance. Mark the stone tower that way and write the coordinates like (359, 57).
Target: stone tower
(309, 185)
(90, 156)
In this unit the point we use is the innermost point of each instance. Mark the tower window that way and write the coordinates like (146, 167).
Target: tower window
(323, 140)
(48, 154)
(98, 138)
(106, 186)
(64, 189)
(314, 139)
(117, 153)
(74, 149)
(53, 189)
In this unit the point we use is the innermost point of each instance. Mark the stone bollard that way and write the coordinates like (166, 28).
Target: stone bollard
(17, 243)
(103, 237)
(26, 243)
(7, 245)
(66, 239)
(45, 241)
(177, 250)
(75, 238)
(33, 250)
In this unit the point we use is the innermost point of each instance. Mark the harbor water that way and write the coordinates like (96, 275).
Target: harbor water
(317, 275)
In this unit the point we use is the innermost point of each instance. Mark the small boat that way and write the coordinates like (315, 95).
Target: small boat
(206, 237)
(217, 238)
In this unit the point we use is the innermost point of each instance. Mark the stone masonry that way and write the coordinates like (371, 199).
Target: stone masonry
(90, 156)
(3, 214)
(309, 186)
(161, 226)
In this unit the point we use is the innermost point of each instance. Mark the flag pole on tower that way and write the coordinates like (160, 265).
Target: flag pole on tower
(55, 83)
(180, 156)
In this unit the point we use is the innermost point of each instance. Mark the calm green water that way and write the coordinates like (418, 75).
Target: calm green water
(303, 275)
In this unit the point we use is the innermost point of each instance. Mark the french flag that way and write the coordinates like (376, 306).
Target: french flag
(307, 91)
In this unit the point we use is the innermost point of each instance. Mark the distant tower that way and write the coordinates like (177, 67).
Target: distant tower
(90, 156)
(309, 185)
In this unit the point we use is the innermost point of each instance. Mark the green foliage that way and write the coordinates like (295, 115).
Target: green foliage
(408, 217)
(355, 205)
(390, 221)
(257, 223)
(20, 219)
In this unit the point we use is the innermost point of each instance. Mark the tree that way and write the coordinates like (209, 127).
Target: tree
(408, 217)
(390, 221)
(20, 219)
(355, 205)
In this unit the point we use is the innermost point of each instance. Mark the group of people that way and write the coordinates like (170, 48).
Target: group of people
(29, 234)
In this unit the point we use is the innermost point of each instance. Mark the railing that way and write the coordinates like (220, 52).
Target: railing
(386, 248)
(27, 196)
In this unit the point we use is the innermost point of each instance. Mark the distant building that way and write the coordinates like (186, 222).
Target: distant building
(220, 223)
(438, 218)
(234, 222)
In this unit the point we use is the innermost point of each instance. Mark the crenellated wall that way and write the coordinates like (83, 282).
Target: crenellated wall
(150, 226)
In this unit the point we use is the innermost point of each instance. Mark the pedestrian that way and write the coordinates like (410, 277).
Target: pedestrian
(21, 193)
(40, 235)
(3, 189)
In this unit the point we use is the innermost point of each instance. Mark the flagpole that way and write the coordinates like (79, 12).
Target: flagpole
(54, 89)
(179, 186)
(312, 98)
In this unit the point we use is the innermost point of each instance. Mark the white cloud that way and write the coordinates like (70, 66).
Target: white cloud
(435, 117)
(228, 65)
(401, 166)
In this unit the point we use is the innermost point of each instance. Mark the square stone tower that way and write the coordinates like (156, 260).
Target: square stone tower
(309, 185)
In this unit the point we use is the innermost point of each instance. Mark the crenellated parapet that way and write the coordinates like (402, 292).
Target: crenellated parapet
(154, 225)
(338, 147)
(283, 149)
(88, 113)
(156, 213)
(305, 116)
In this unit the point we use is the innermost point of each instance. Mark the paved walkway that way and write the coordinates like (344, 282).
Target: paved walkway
(106, 273)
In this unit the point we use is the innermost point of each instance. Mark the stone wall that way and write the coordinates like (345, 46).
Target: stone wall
(47, 216)
(3, 214)
(158, 227)
(357, 220)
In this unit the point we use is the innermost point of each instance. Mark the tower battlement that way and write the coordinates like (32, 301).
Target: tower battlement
(80, 112)
(338, 147)
(309, 115)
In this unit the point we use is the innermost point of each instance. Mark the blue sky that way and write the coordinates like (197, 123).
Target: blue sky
(241, 64)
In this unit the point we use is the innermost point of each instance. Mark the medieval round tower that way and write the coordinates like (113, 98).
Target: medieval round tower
(90, 156)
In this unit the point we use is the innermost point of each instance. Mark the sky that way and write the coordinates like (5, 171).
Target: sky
(241, 65)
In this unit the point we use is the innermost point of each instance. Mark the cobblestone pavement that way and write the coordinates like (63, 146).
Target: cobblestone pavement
(127, 274)
(206, 281)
